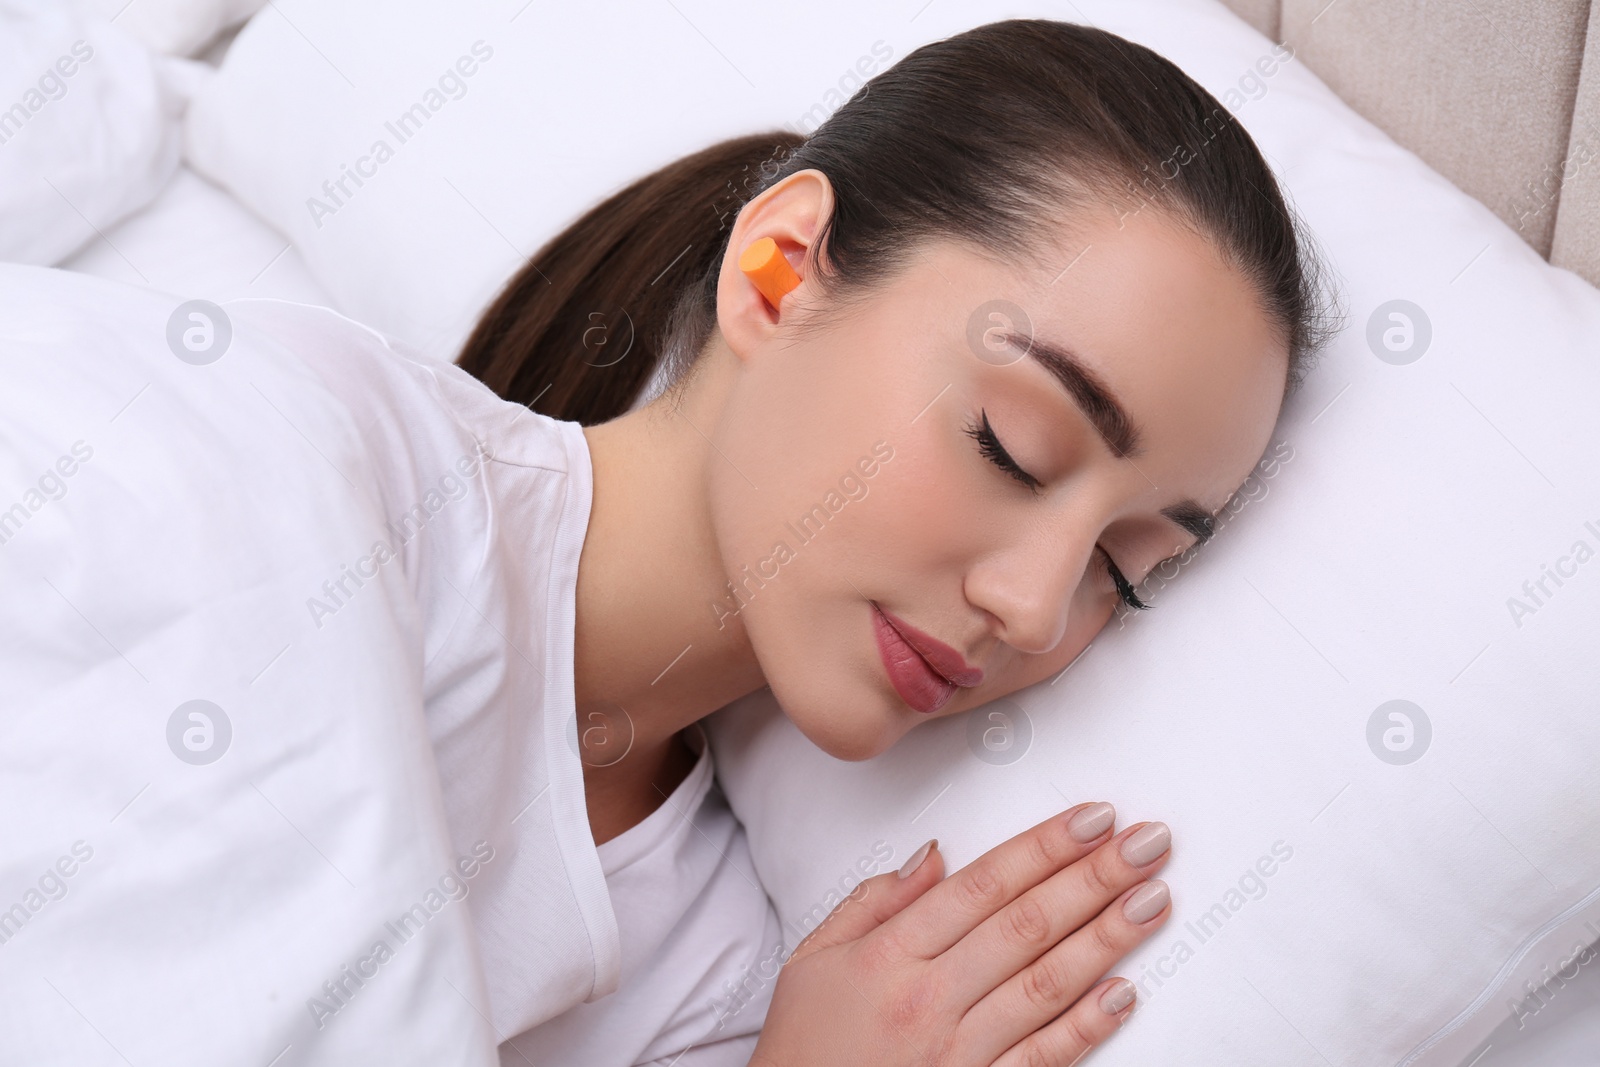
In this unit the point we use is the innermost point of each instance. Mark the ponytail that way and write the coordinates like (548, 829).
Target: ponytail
(585, 326)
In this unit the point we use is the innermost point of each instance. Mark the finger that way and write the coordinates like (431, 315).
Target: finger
(876, 900)
(956, 906)
(1071, 1037)
(1053, 983)
(1022, 931)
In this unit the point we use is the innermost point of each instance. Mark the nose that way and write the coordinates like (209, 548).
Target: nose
(1027, 584)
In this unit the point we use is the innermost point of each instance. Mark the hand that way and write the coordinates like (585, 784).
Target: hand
(1000, 964)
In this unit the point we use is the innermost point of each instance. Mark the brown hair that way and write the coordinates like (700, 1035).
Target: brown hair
(982, 137)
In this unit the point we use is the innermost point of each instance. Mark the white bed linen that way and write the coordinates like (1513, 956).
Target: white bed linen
(217, 809)
(197, 240)
(88, 128)
(176, 27)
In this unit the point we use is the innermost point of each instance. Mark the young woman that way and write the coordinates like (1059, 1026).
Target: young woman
(1050, 301)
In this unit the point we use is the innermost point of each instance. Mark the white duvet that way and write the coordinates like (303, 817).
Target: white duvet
(224, 840)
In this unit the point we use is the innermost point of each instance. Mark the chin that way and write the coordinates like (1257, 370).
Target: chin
(851, 732)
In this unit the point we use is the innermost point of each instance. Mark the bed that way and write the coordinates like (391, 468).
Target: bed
(1499, 98)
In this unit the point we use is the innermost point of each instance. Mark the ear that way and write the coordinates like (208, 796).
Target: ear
(791, 213)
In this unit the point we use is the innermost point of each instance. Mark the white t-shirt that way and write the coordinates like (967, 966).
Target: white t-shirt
(660, 941)
(701, 945)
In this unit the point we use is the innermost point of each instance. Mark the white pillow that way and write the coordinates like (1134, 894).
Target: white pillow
(529, 121)
(88, 129)
(1374, 561)
(197, 240)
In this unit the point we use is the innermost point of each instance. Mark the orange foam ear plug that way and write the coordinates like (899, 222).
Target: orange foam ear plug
(767, 268)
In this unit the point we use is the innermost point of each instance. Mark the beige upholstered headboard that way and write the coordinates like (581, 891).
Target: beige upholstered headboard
(1500, 96)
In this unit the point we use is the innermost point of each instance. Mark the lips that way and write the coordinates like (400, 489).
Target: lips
(924, 671)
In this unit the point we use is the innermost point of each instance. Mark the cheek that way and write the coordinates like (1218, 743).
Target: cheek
(797, 450)
(798, 525)
(921, 491)
(930, 510)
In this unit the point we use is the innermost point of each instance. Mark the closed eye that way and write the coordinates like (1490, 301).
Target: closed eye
(991, 448)
(995, 452)
(1124, 588)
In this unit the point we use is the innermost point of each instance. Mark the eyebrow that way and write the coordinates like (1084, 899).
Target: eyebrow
(1192, 517)
(1109, 418)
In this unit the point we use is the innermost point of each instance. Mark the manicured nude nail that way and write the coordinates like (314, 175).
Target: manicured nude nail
(1147, 844)
(1090, 823)
(917, 857)
(1146, 902)
(1115, 1000)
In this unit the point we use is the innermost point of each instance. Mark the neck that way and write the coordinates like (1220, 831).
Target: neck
(651, 657)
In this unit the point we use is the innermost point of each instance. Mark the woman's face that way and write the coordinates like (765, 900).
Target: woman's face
(911, 474)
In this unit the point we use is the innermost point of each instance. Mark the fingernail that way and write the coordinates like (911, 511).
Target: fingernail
(1115, 1001)
(917, 857)
(1146, 902)
(1091, 822)
(1147, 844)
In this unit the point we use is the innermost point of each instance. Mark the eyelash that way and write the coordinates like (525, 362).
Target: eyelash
(992, 450)
(1124, 588)
(996, 453)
